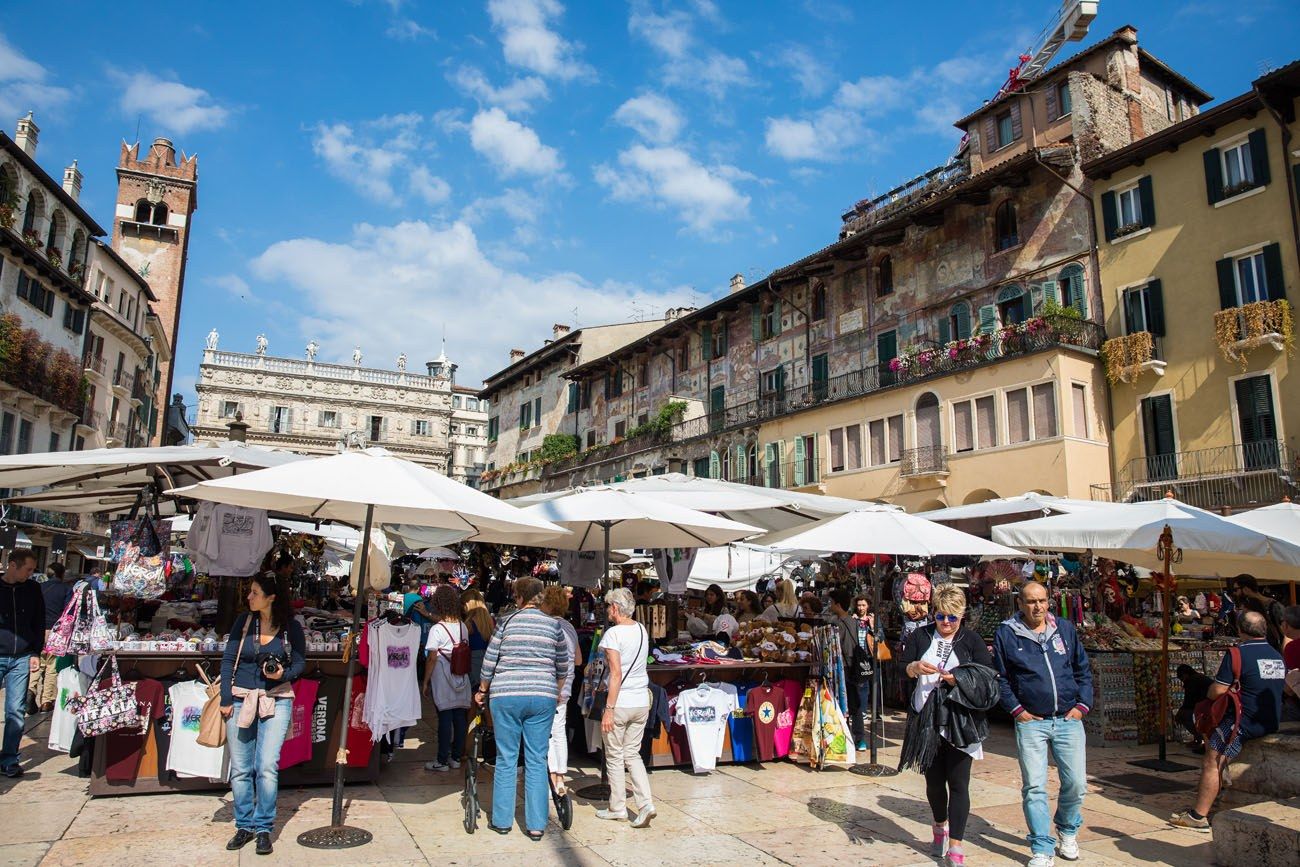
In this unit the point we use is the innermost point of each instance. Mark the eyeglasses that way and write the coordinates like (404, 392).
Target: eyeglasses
(948, 618)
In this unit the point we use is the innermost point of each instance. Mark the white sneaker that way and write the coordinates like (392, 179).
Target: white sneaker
(1042, 859)
(610, 815)
(435, 766)
(643, 818)
(453, 764)
(1068, 847)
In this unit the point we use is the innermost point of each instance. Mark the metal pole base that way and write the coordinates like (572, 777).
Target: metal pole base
(334, 837)
(1162, 765)
(873, 770)
(594, 792)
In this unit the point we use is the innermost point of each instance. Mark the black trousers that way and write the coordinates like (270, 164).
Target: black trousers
(947, 786)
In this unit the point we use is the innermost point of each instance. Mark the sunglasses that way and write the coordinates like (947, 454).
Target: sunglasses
(948, 618)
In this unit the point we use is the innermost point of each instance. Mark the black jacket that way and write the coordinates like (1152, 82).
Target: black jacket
(22, 618)
(857, 660)
(958, 710)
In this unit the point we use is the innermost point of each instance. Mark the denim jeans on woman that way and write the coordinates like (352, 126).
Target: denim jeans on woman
(1065, 739)
(255, 763)
(14, 671)
(528, 719)
(452, 725)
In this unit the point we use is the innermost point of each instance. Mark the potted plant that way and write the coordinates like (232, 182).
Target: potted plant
(55, 257)
(32, 239)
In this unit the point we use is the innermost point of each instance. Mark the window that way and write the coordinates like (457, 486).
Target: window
(328, 418)
(1159, 443)
(894, 425)
(1236, 167)
(718, 340)
(884, 277)
(1252, 282)
(24, 436)
(472, 404)
(846, 448)
(1257, 421)
(7, 433)
(614, 383)
(591, 439)
(771, 321)
(1044, 410)
(229, 409)
(1144, 309)
(281, 419)
(620, 429)
(805, 460)
(54, 441)
(494, 429)
(1018, 416)
(700, 467)
(1071, 290)
(1006, 233)
(1130, 207)
(684, 356)
(986, 422)
(818, 306)
(378, 428)
(751, 463)
(526, 415)
(574, 395)
(956, 325)
(537, 411)
(1079, 396)
(1064, 103)
(455, 401)
(642, 420)
(420, 427)
(74, 319)
(1011, 305)
(929, 432)
(773, 381)
(963, 426)
(1237, 170)
(643, 374)
(471, 430)
(1005, 129)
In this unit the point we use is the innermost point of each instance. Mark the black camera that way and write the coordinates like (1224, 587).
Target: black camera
(271, 663)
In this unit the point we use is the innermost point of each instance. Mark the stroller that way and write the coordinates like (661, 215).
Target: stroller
(481, 742)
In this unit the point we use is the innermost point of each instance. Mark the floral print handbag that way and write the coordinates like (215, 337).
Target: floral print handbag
(102, 710)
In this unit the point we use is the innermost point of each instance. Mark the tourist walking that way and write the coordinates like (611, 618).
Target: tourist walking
(953, 688)
(526, 663)
(474, 611)
(265, 654)
(1260, 672)
(446, 678)
(555, 602)
(855, 647)
(627, 709)
(22, 635)
(1047, 688)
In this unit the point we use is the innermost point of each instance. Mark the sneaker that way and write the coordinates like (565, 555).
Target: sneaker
(241, 839)
(643, 818)
(611, 815)
(1185, 819)
(939, 845)
(13, 771)
(436, 766)
(1068, 846)
(453, 764)
(861, 746)
(264, 843)
(954, 859)
(1042, 859)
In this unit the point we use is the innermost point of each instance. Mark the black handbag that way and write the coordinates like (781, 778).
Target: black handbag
(600, 697)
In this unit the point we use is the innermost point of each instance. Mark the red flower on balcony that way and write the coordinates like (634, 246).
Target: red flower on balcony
(32, 239)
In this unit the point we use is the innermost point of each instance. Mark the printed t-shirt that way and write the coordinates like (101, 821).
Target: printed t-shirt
(764, 706)
(704, 710)
(359, 739)
(1262, 675)
(793, 690)
(942, 654)
(742, 728)
(63, 725)
(392, 699)
(325, 719)
(124, 750)
(1291, 655)
(296, 748)
(678, 744)
(632, 643)
(185, 755)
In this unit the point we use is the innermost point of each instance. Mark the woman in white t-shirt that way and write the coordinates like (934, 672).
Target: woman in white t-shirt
(555, 602)
(450, 692)
(626, 645)
(786, 605)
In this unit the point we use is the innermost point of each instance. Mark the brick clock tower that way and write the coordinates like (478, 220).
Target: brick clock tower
(156, 197)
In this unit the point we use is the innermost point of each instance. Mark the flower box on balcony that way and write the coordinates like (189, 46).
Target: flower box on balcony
(1238, 330)
(1130, 356)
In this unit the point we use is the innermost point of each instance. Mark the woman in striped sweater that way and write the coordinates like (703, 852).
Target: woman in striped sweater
(526, 662)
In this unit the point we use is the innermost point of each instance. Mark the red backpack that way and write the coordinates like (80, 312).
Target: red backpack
(459, 657)
(1209, 713)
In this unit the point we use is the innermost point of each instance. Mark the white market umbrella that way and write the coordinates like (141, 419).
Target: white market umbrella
(1281, 521)
(439, 553)
(733, 567)
(369, 487)
(883, 531)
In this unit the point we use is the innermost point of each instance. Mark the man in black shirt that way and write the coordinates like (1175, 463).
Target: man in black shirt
(1249, 597)
(22, 635)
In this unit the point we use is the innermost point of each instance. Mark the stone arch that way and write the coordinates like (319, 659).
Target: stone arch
(930, 506)
(57, 233)
(33, 211)
(929, 430)
(980, 495)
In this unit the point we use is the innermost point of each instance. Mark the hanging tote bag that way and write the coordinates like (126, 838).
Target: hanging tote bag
(102, 710)
(141, 573)
(60, 640)
(212, 725)
(81, 627)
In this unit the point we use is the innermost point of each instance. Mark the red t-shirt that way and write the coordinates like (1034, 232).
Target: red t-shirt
(764, 705)
(296, 748)
(1291, 654)
(123, 750)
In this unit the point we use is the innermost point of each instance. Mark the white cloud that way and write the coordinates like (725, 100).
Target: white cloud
(518, 96)
(408, 30)
(232, 283)
(688, 64)
(380, 158)
(808, 70)
(653, 117)
(528, 41)
(440, 277)
(670, 178)
(170, 104)
(24, 85)
(510, 146)
(517, 205)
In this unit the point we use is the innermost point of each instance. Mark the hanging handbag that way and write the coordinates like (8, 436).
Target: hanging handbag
(81, 627)
(1209, 713)
(141, 573)
(60, 640)
(122, 532)
(600, 698)
(212, 725)
(102, 710)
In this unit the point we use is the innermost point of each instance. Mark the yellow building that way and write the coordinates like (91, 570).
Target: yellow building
(1198, 240)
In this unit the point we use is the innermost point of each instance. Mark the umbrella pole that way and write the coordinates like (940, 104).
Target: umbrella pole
(1166, 550)
(873, 768)
(336, 835)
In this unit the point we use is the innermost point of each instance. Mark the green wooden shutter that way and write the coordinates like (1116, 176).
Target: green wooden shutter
(1146, 200)
(988, 318)
(756, 320)
(945, 331)
(1213, 175)
(1255, 409)
(573, 397)
(1227, 284)
(1109, 218)
(715, 465)
(769, 456)
(1159, 431)
(706, 336)
(798, 462)
(1155, 309)
(1075, 296)
(1273, 272)
(738, 464)
(780, 459)
(1259, 157)
(962, 316)
(886, 348)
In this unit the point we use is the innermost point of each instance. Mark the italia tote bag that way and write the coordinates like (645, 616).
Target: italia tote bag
(142, 571)
(81, 627)
(102, 710)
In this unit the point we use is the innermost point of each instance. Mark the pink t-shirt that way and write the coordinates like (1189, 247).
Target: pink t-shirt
(296, 748)
(785, 719)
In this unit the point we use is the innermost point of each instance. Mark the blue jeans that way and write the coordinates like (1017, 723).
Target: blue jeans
(255, 763)
(14, 671)
(860, 708)
(451, 734)
(1064, 737)
(526, 718)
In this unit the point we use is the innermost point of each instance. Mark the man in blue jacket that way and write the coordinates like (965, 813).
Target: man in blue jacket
(1047, 688)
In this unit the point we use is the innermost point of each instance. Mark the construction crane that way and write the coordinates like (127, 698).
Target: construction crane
(1070, 25)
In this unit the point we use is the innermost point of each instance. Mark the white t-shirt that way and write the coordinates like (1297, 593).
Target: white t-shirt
(704, 710)
(571, 636)
(63, 725)
(776, 611)
(392, 698)
(229, 540)
(632, 643)
(449, 690)
(185, 755)
(941, 653)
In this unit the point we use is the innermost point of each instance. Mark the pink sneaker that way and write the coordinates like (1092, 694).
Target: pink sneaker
(955, 858)
(940, 844)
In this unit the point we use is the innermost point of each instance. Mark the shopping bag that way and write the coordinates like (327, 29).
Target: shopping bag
(102, 710)
(122, 532)
(212, 725)
(141, 573)
(81, 627)
(60, 640)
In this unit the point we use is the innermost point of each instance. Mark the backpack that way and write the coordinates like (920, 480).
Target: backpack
(459, 657)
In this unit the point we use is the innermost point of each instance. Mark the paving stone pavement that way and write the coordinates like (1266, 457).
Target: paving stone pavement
(776, 813)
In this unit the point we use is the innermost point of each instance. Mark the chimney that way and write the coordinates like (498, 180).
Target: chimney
(27, 134)
(516, 355)
(72, 181)
(737, 282)
(558, 331)
(164, 150)
(238, 429)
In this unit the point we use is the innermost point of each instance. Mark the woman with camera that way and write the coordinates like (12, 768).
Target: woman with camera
(265, 654)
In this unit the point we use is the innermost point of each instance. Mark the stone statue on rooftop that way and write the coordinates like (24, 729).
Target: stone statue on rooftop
(213, 336)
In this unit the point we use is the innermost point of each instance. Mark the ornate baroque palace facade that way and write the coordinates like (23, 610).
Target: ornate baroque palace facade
(308, 406)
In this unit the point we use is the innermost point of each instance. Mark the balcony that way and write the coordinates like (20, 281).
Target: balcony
(96, 366)
(123, 381)
(924, 462)
(1238, 330)
(1130, 356)
(91, 419)
(1235, 476)
(115, 432)
(43, 518)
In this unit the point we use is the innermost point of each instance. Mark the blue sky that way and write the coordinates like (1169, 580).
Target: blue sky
(378, 171)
